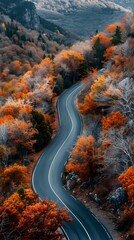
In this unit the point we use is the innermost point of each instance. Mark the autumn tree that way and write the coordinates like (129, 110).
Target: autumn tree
(88, 106)
(109, 53)
(127, 181)
(22, 216)
(126, 97)
(42, 221)
(5, 119)
(13, 176)
(119, 143)
(85, 159)
(114, 120)
(70, 62)
(16, 109)
(9, 218)
(21, 136)
(21, 199)
(15, 67)
(4, 154)
(98, 88)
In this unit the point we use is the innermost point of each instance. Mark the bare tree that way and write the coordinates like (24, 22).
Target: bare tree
(126, 97)
(121, 145)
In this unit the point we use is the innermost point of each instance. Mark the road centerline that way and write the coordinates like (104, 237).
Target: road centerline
(49, 180)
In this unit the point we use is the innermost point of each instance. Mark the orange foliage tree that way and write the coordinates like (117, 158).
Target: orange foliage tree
(13, 176)
(111, 29)
(69, 61)
(9, 218)
(127, 181)
(5, 118)
(15, 67)
(4, 152)
(21, 136)
(16, 109)
(99, 87)
(115, 120)
(21, 199)
(41, 221)
(104, 40)
(89, 105)
(85, 159)
(22, 216)
(109, 52)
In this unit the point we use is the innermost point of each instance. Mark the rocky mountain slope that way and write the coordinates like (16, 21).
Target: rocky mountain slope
(83, 17)
(125, 3)
(25, 13)
(69, 5)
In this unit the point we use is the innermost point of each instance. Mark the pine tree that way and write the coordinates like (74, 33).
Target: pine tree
(117, 36)
(99, 52)
(44, 130)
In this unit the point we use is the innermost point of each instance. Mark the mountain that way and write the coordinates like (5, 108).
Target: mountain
(69, 5)
(25, 13)
(82, 17)
(125, 3)
(22, 48)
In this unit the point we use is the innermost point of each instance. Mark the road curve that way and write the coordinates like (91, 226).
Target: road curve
(47, 174)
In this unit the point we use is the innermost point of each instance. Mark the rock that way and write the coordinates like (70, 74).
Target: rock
(46, 107)
(71, 180)
(130, 237)
(26, 162)
(85, 185)
(118, 198)
(78, 180)
(96, 198)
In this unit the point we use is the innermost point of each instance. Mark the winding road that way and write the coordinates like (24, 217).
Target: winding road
(47, 174)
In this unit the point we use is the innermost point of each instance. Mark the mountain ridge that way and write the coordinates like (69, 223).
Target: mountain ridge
(81, 17)
(25, 13)
(69, 5)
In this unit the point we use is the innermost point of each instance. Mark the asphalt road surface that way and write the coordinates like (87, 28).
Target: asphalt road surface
(47, 174)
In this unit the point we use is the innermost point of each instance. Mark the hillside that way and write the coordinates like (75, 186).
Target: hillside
(101, 165)
(68, 5)
(37, 64)
(72, 14)
(25, 13)
(29, 47)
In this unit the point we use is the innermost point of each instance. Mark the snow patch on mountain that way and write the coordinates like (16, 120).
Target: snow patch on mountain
(69, 5)
(125, 3)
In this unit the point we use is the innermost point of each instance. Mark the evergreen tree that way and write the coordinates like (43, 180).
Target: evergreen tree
(117, 36)
(59, 86)
(44, 130)
(99, 53)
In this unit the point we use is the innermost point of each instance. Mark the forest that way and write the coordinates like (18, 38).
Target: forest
(34, 71)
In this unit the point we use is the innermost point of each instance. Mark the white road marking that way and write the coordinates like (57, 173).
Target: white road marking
(49, 180)
(65, 233)
(73, 197)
